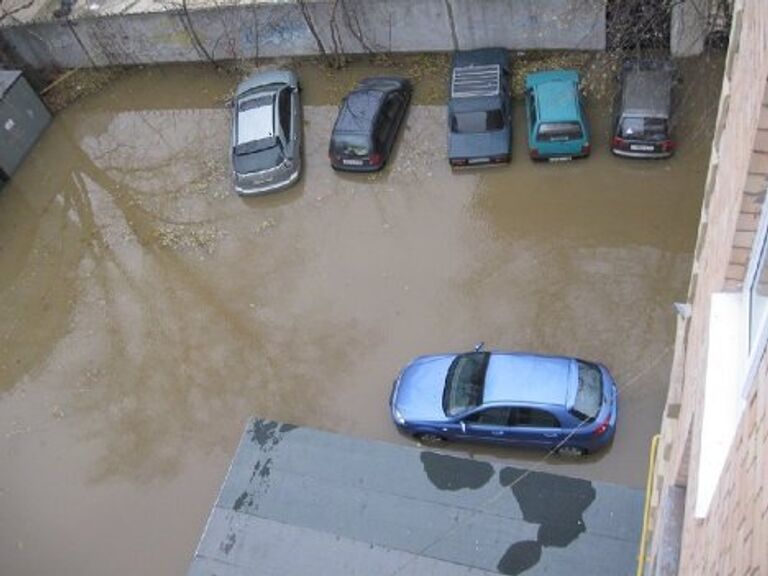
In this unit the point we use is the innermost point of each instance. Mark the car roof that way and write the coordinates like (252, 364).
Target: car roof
(528, 379)
(556, 98)
(647, 93)
(358, 111)
(256, 117)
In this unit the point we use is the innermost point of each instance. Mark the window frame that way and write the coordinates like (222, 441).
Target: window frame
(754, 351)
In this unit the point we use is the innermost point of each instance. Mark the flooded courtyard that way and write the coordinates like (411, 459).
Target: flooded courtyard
(146, 311)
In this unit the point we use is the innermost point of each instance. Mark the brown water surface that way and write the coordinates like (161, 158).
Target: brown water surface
(146, 311)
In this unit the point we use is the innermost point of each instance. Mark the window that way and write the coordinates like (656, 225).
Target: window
(498, 416)
(560, 131)
(589, 393)
(464, 382)
(284, 111)
(758, 298)
(350, 145)
(532, 107)
(474, 122)
(639, 128)
(392, 106)
(534, 418)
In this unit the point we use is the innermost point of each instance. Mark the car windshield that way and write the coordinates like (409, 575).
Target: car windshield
(474, 122)
(638, 128)
(589, 394)
(464, 382)
(560, 131)
(350, 145)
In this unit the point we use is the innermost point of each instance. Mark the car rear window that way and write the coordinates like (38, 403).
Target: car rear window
(350, 145)
(464, 382)
(589, 394)
(638, 128)
(474, 122)
(560, 131)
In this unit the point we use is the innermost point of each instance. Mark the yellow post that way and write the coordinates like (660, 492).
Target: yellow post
(649, 485)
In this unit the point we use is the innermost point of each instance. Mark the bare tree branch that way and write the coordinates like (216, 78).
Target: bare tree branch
(6, 12)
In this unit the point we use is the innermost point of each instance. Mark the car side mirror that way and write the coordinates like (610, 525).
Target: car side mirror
(463, 426)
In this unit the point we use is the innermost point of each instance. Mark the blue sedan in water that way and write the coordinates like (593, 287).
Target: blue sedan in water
(548, 402)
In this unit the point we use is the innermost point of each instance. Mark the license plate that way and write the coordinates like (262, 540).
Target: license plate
(479, 160)
(561, 159)
(642, 147)
(349, 162)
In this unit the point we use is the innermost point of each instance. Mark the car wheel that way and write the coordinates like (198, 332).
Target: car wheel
(428, 438)
(571, 451)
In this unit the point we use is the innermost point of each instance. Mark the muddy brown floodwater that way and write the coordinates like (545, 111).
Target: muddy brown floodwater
(146, 311)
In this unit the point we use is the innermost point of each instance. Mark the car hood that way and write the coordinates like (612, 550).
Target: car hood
(478, 145)
(419, 392)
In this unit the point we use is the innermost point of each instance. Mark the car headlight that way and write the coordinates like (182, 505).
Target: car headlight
(399, 418)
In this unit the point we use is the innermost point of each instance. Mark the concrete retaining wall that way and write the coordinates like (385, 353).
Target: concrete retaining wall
(280, 29)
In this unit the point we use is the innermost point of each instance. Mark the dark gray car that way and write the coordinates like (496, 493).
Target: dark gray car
(366, 127)
(266, 133)
(480, 108)
(643, 110)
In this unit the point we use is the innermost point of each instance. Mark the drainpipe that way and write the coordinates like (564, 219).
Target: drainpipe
(649, 486)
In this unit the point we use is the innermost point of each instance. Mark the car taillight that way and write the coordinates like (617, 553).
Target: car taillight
(667, 145)
(535, 153)
(374, 159)
(618, 142)
(600, 430)
(586, 148)
(459, 162)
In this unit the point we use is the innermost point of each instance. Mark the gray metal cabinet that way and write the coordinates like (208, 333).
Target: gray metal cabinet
(23, 118)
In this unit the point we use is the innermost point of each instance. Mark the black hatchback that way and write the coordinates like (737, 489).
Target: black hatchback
(644, 110)
(368, 122)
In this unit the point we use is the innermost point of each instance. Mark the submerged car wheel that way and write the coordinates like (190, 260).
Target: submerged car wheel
(428, 438)
(571, 451)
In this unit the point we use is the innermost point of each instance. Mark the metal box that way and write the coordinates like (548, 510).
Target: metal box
(23, 118)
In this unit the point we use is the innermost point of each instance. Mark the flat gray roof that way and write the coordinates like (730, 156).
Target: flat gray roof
(302, 501)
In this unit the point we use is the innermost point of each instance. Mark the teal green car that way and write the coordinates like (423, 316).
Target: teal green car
(557, 125)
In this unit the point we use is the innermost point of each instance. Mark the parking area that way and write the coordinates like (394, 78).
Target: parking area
(147, 311)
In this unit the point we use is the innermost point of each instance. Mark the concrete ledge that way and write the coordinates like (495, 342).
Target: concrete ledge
(165, 33)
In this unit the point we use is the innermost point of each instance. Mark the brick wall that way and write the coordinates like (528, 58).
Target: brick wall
(733, 538)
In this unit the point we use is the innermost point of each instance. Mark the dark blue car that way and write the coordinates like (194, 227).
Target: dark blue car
(548, 402)
(480, 108)
(369, 120)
